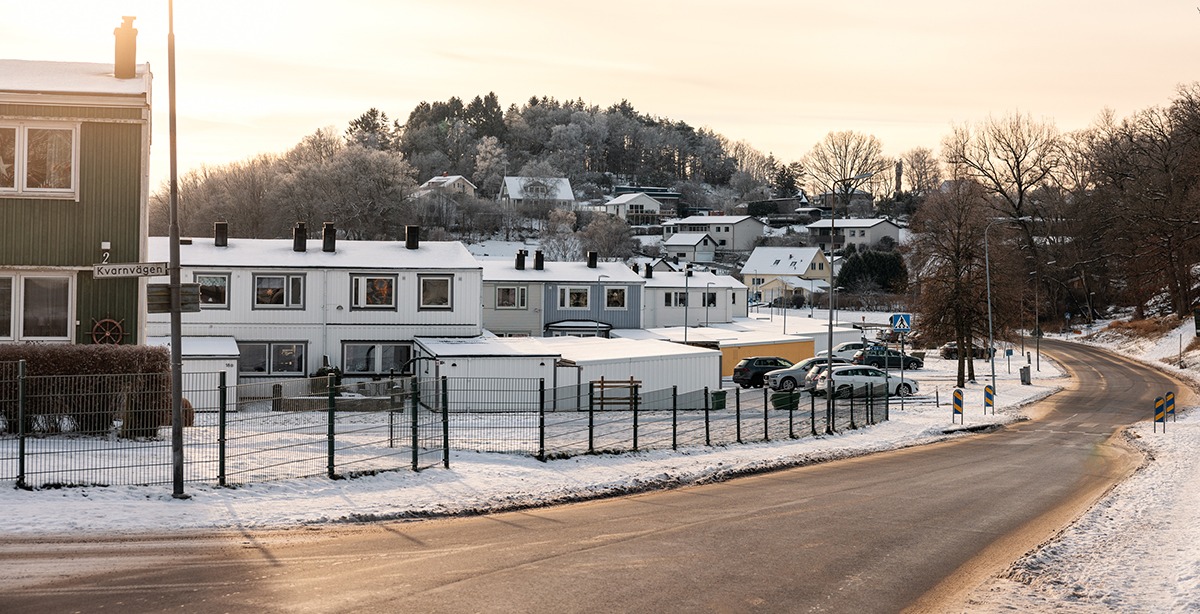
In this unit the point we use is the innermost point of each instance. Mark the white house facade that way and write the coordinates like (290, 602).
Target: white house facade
(691, 247)
(695, 299)
(852, 231)
(733, 233)
(766, 264)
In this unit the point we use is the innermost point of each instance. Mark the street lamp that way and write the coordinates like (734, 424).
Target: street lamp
(600, 291)
(987, 270)
(706, 302)
(847, 183)
(687, 275)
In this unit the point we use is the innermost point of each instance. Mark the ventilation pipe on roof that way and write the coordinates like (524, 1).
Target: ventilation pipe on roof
(221, 234)
(591, 260)
(299, 238)
(521, 259)
(125, 65)
(649, 271)
(539, 260)
(328, 237)
(412, 237)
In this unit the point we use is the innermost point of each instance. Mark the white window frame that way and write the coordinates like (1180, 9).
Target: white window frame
(293, 298)
(375, 352)
(20, 162)
(269, 347)
(520, 297)
(423, 305)
(564, 297)
(16, 306)
(675, 299)
(624, 298)
(226, 276)
(360, 292)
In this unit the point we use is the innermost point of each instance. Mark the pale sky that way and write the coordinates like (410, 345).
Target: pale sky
(256, 76)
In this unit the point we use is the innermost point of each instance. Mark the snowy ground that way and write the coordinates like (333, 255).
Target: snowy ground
(1138, 550)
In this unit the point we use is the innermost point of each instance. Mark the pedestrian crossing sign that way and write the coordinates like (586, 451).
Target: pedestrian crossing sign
(902, 322)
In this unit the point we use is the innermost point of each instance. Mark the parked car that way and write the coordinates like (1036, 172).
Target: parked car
(810, 378)
(950, 351)
(885, 358)
(751, 371)
(846, 350)
(793, 376)
(856, 378)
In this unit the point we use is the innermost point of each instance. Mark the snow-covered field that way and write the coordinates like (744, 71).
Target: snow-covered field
(1138, 550)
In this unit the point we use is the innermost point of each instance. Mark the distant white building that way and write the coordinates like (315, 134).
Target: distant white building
(852, 231)
(733, 233)
(448, 184)
(691, 247)
(553, 190)
(767, 264)
(636, 209)
(698, 299)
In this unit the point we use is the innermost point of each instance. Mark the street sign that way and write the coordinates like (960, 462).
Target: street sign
(902, 322)
(989, 398)
(129, 269)
(158, 298)
(958, 406)
(1170, 405)
(1160, 415)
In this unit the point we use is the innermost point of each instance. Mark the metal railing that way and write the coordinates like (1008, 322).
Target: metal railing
(82, 430)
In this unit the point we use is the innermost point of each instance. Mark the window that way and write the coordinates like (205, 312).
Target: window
(511, 297)
(372, 291)
(39, 160)
(614, 298)
(36, 307)
(214, 290)
(721, 242)
(572, 297)
(435, 291)
(710, 299)
(271, 358)
(376, 358)
(681, 254)
(758, 281)
(279, 291)
(675, 299)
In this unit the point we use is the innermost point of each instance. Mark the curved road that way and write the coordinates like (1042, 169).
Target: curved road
(912, 529)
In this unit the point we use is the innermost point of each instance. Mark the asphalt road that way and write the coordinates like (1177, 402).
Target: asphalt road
(912, 529)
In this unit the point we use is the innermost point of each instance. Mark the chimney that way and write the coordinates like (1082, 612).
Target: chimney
(649, 272)
(591, 260)
(299, 238)
(328, 237)
(412, 237)
(221, 234)
(125, 66)
(521, 259)
(539, 261)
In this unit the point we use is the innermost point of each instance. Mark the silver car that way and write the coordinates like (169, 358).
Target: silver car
(856, 379)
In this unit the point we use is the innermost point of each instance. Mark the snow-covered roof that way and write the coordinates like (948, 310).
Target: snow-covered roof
(712, 219)
(560, 187)
(633, 197)
(200, 347)
(40, 77)
(506, 270)
(698, 280)
(792, 281)
(442, 180)
(688, 239)
(277, 253)
(851, 223)
(780, 260)
(599, 349)
(481, 347)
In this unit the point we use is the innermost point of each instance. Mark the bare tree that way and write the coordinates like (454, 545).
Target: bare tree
(844, 160)
(922, 171)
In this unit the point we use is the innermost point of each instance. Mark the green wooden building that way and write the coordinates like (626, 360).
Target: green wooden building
(74, 192)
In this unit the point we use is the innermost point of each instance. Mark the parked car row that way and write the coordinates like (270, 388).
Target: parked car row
(950, 351)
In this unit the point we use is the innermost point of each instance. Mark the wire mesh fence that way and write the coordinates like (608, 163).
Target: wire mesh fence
(73, 430)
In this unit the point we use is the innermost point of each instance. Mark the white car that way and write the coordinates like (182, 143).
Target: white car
(794, 376)
(857, 378)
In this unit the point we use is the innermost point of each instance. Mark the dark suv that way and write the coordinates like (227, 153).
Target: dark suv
(750, 371)
(884, 358)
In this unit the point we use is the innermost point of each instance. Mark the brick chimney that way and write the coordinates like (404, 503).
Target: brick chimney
(125, 65)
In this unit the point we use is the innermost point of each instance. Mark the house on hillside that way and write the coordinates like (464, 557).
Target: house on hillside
(532, 297)
(446, 184)
(767, 264)
(733, 233)
(837, 234)
(636, 209)
(74, 191)
(295, 305)
(669, 200)
(555, 191)
(690, 247)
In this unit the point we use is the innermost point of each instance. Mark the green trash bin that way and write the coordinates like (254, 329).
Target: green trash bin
(718, 399)
(787, 401)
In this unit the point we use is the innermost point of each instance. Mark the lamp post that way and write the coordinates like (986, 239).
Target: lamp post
(847, 183)
(687, 275)
(987, 271)
(601, 293)
(706, 302)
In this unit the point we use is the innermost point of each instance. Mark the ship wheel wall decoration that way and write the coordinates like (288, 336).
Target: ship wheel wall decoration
(108, 331)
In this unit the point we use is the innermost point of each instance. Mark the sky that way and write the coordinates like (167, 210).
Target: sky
(256, 76)
(1136, 550)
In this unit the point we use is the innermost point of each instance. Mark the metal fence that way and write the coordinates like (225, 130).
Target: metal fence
(81, 430)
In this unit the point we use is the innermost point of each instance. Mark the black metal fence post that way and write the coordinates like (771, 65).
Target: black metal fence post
(415, 401)
(737, 414)
(222, 400)
(767, 419)
(330, 437)
(541, 454)
(707, 428)
(445, 422)
(674, 417)
(591, 417)
(812, 412)
(852, 425)
(21, 424)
